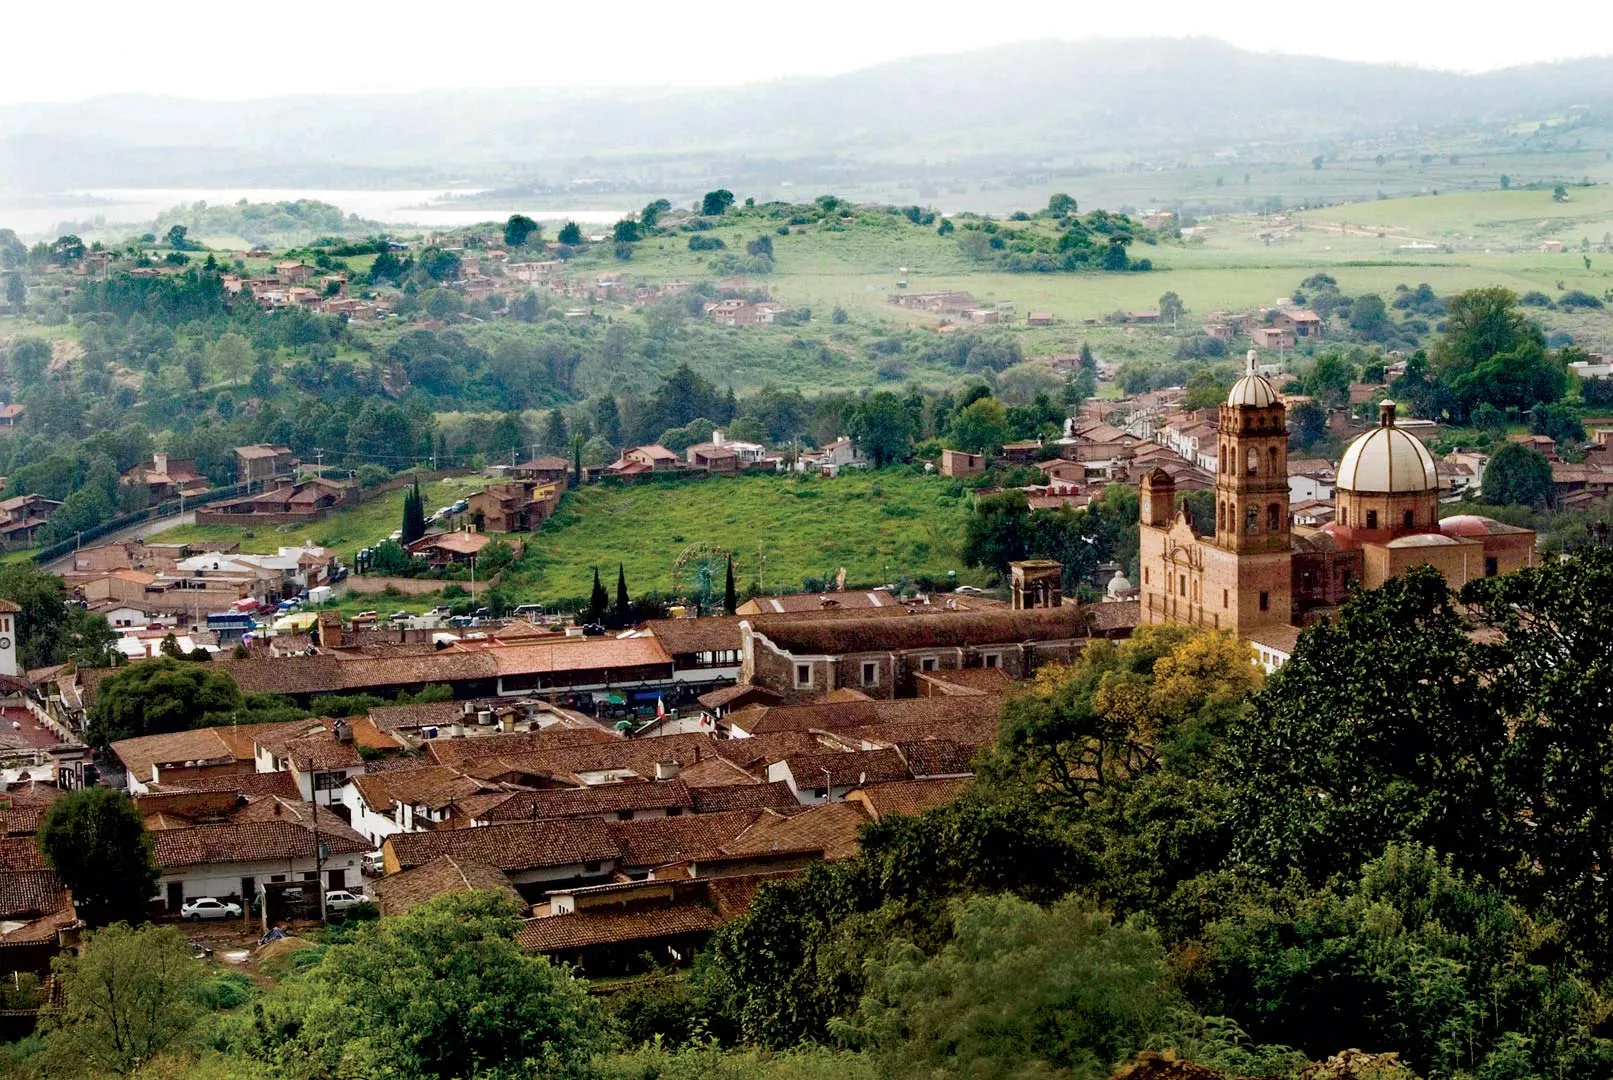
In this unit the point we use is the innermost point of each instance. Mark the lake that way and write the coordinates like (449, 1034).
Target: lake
(39, 215)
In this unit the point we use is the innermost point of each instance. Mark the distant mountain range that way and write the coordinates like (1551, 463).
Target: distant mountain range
(1034, 103)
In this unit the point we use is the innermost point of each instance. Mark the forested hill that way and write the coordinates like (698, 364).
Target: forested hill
(1032, 101)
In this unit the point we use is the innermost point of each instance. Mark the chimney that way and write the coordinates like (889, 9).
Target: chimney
(716, 437)
(667, 770)
(484, 717)
(341, 731)
(456, 731)
(159, 461)
(467, 708)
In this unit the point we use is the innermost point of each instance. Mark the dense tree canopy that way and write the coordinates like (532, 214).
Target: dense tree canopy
(158, 696)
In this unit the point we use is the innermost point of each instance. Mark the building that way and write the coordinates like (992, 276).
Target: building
(714, 458)
(261, 463)
(840, 454)
(962, 464)
(167, 478)
(21, 518)
(286, 503)
(544, 469)
(517, 506)
(1261, 576)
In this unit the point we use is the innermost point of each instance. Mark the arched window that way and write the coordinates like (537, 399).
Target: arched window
(1408, 519)
(1252, 461)
(1372, 519)
(1271, 462)
(1274, 515)
(1182, 583)
(1251, 522)
(1220, 517)
(1344, 515)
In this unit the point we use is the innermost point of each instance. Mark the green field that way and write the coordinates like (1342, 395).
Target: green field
(877, 525)
(346, 531)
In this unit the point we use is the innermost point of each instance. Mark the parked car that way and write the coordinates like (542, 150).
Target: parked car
(399, 616)
(207, 907)
(395, 535)
(460, 507)
(342, 899)
(969, 590)
(529, 611)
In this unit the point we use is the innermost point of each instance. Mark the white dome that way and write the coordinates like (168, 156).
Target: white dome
(1386, 460)
(1253, 389)
(1118, 584)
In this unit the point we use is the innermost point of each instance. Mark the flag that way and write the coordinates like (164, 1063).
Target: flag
(660, 707)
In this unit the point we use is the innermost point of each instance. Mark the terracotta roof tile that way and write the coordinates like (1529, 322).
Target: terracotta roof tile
(910, 797)
(450, 751)
(609, 926)
(20, 853)
(775, 796)
(657, 841)
(844, 769)
(250, 841)
(523, 846)
(397, 893)
(829, 827)
(598, 799)
(28, 894)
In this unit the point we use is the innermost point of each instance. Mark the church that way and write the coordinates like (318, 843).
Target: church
(1261, 577)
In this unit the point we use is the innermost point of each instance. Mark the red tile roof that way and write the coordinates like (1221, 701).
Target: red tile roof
(511, 848)
(611, 926)
(397, 893)
(596, 800)
(251, 841)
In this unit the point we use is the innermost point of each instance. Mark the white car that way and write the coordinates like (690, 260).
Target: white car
(341, 899)
(206, 907)
(969, 590)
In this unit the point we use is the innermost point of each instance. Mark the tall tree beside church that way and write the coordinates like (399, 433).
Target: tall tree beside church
(729, 600)
(623, 613)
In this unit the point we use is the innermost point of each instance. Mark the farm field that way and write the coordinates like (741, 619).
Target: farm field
(877, 525)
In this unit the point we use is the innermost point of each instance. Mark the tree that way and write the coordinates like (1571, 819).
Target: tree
(883, 428)
(176, 238)
(518, 229)
(570, 234)
(1307, 424)
(443, 991)
(577, 444)
(1518, 475)
(65, 250)
(158, 696)
(715, 203)
(126, 997)
(1329, 380)
(556, 433)
(1506, 181)
(96, 842)
(651, 214)
(1488, 419)
(730, 602)
(1369, 317)
(441, 264)
(1171, 308)
(608, 419)
(998, 532)
(1060, 205)
(48, 631)
(598, 602)
(1204, 390)
(1380, 729)
(1558, 421)
(981, 427)
(1559, 194)
(16, 292)
(414, 514)
(622, 613)
(626, 231)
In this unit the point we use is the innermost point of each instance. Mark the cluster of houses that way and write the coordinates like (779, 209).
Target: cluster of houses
(723, 456)
(777, 735)
(131, 581)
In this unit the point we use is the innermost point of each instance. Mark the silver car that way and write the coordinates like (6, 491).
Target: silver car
(207, 907)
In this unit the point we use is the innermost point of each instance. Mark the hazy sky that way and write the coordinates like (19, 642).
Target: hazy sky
(68, 51)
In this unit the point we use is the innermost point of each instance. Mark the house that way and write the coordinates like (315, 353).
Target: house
(1039, 318)
(292, 273)
(1551, 247)
(22, 517)
(262, 462)
(272, 841)
(397, 894)
(748, 453)
(910, 798)
(1061, 471)
(714, 458)
(1310, 479)
(1022, 452)
(287, 503)
(167, 478)
(518, 506)
(829, 776)
(1304, 324)
(439, 549)
(544, 469)
(840, 454)
(961, 463)
(12, 415)
(534, 855)
(842, 600)
(639, 459)
(1272, 337)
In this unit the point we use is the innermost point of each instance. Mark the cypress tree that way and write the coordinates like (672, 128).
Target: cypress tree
(414, 514)
(576, 461)
(598, 601)
(624, 606)
(729, 600)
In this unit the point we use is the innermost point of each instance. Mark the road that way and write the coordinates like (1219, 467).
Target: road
(133, 532)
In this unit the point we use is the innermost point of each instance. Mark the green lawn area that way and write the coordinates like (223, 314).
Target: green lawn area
(346, 531)
(876, 525)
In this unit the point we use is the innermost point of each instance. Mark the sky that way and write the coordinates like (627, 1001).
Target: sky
(191, 48)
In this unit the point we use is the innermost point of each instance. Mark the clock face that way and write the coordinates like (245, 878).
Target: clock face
(5, 643)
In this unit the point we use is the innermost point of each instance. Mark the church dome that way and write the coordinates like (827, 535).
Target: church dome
(1253, 389)
(1118, 585)
(1386, 460)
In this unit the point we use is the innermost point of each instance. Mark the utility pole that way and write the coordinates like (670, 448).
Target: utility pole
(319, 848)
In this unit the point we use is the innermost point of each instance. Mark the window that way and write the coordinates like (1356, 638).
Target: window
(1491, 567)
(1221, 516)
(1344, 515)
(590, 867)
(674, 811)
(803, 675)
(277, 877)
(329, 781)
(1274, 517)
(1372, 519)
(1252, 461)
(870, 674)
(1251, 520)
(624, 815)
(310, 875)
(820, 793)
(1271, 462)
(1145, 575)
(1181, 584)
(991, 660)
(1265, 601)
(1408, 519)
(1226, 596)
(927, 664)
